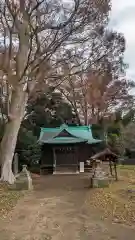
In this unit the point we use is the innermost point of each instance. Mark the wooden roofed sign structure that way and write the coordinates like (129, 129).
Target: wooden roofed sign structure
(65, 147)
(109, 156)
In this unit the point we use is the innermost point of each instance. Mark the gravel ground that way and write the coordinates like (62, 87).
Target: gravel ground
(57, 210)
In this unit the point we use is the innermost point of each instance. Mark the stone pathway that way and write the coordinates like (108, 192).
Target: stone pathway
(56, 210)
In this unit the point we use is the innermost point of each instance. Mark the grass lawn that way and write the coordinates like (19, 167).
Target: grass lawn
(8, 200)
(117, 203)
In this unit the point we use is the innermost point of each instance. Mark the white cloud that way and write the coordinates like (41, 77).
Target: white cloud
(123, 20)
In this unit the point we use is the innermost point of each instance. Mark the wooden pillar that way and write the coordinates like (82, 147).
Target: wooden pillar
(93, 165)
(76, 155)
(54, 160)
(115, 169)
(110, 165)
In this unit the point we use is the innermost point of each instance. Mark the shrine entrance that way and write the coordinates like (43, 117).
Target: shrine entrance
(65, 160)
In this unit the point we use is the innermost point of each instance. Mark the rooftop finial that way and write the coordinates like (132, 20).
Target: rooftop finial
(64, 126)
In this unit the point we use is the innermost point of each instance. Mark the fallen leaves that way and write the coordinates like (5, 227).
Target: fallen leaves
(8, 200)
(117, 202)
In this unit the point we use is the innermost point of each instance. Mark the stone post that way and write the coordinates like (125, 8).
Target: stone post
(15, 164)
(26, 177)
(23, 180)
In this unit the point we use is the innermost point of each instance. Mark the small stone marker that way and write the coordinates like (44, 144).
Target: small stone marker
(23, 180)
(81, 167)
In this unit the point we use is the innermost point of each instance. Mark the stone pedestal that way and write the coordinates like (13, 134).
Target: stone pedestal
(23, 180)
(100, 183)
(100, 179)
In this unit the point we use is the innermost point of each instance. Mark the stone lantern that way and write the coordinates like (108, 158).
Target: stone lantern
(23, 180)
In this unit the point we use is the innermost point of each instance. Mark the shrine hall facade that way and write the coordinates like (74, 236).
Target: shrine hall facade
(65, 148)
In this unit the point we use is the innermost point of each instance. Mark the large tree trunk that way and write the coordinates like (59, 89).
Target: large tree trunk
(8, 143)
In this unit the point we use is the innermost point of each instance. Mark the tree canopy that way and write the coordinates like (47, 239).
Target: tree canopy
(47, 110)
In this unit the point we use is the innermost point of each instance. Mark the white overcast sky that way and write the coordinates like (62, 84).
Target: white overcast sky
(123, 20)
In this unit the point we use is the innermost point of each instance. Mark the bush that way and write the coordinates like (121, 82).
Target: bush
(28, 149)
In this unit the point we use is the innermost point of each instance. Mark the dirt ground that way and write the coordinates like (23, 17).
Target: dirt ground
(57, 210)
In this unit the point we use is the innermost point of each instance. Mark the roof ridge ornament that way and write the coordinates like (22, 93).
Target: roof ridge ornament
(64, 126)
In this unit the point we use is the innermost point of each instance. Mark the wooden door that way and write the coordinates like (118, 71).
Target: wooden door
(66, 160)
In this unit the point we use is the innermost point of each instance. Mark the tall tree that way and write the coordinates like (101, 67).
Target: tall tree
(33, 33)
(99, 91)
(116, 128)
(129, 136)
(47, 110)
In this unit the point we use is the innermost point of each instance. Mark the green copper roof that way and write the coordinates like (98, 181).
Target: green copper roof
(76, 134)
(65, 140)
